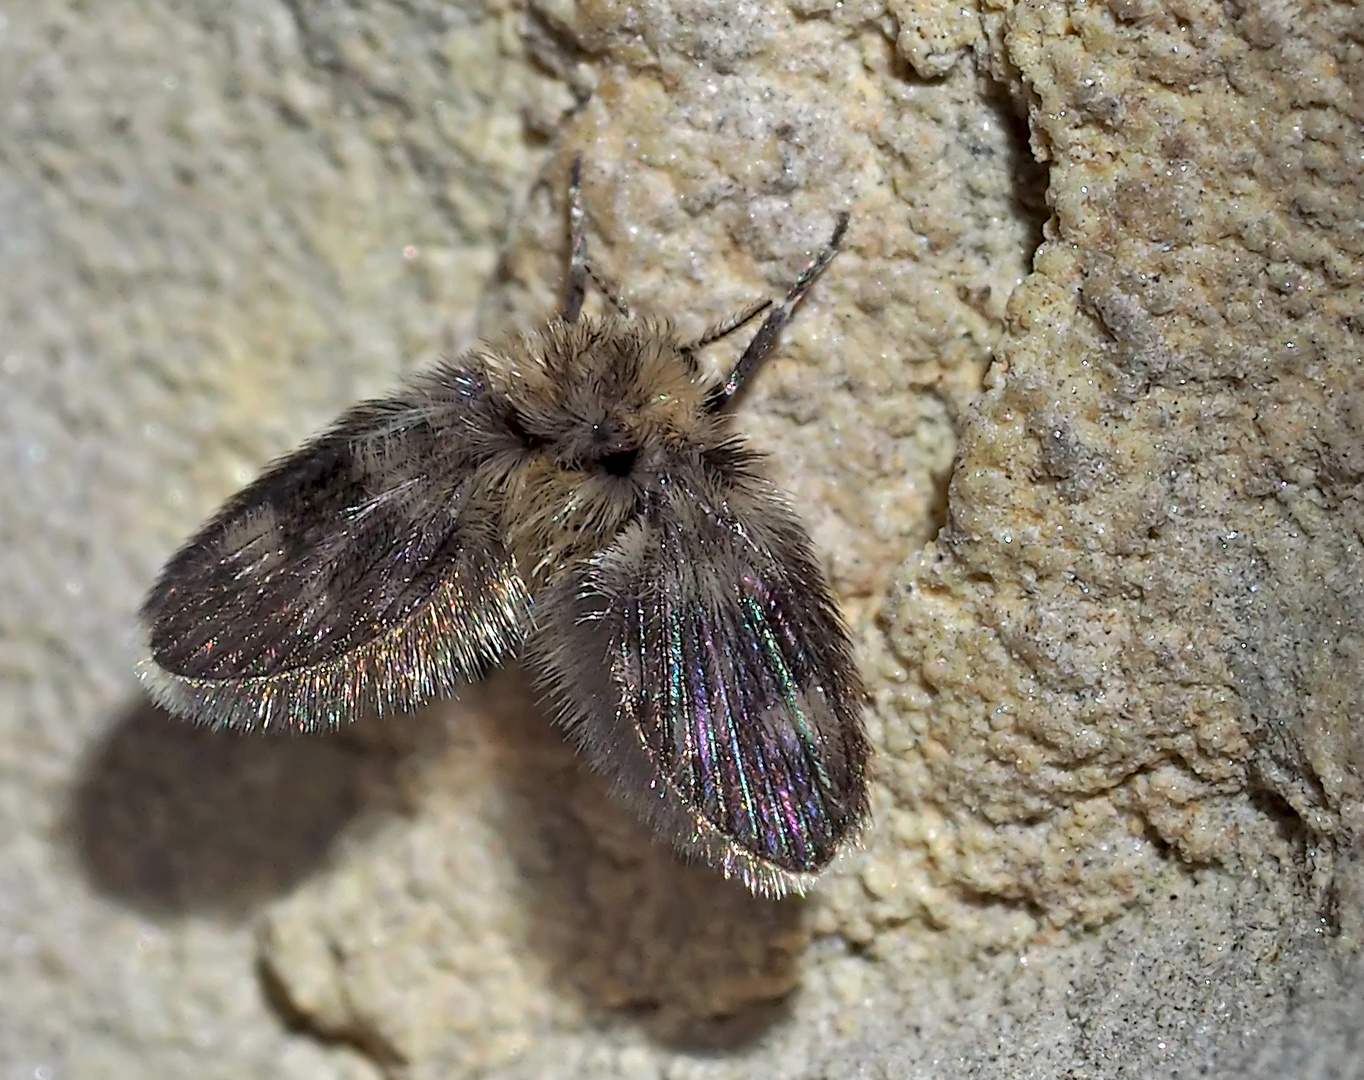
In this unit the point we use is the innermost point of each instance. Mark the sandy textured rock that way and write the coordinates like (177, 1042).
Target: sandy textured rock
(202, 259)
(1114, 699)
(1137, 628)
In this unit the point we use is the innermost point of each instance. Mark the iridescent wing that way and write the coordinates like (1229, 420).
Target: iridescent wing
(700, 662)
(366, 571)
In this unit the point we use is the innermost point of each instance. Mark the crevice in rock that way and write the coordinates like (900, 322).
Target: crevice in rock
(361, 1038)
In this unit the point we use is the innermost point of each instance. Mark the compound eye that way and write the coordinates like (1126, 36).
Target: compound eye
(517, 426)
(619, 462)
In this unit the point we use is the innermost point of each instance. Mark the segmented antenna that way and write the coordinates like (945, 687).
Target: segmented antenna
(766, 337)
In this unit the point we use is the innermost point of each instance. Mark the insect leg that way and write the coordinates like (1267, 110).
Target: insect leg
(575, 286)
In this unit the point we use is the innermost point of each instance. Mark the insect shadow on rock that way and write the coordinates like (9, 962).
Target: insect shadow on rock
(577, 495)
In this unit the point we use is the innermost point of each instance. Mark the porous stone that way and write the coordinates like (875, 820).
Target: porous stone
(1075, 417)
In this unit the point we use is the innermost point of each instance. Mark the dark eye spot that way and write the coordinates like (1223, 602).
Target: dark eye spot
(517, 427)
(619, 462)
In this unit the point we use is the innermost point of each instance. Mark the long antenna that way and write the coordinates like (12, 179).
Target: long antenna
(766, 337)
(580, 270)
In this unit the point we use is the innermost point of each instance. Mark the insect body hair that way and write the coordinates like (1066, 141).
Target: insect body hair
(580, 423)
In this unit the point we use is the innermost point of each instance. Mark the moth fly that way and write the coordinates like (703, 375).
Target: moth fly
(578, 496)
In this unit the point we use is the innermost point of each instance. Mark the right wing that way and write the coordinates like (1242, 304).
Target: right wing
(700, 662)
(365, 571)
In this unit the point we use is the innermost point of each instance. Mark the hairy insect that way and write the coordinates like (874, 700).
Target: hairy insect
(576, 495)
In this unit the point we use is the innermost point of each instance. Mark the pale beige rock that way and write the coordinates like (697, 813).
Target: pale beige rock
(205, 221)
(1114, 702)
(1161, 483)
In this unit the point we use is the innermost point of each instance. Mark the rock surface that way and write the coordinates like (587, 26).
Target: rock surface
(1076, 417)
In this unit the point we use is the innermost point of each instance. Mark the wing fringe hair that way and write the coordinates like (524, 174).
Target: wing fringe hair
(435, 649)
